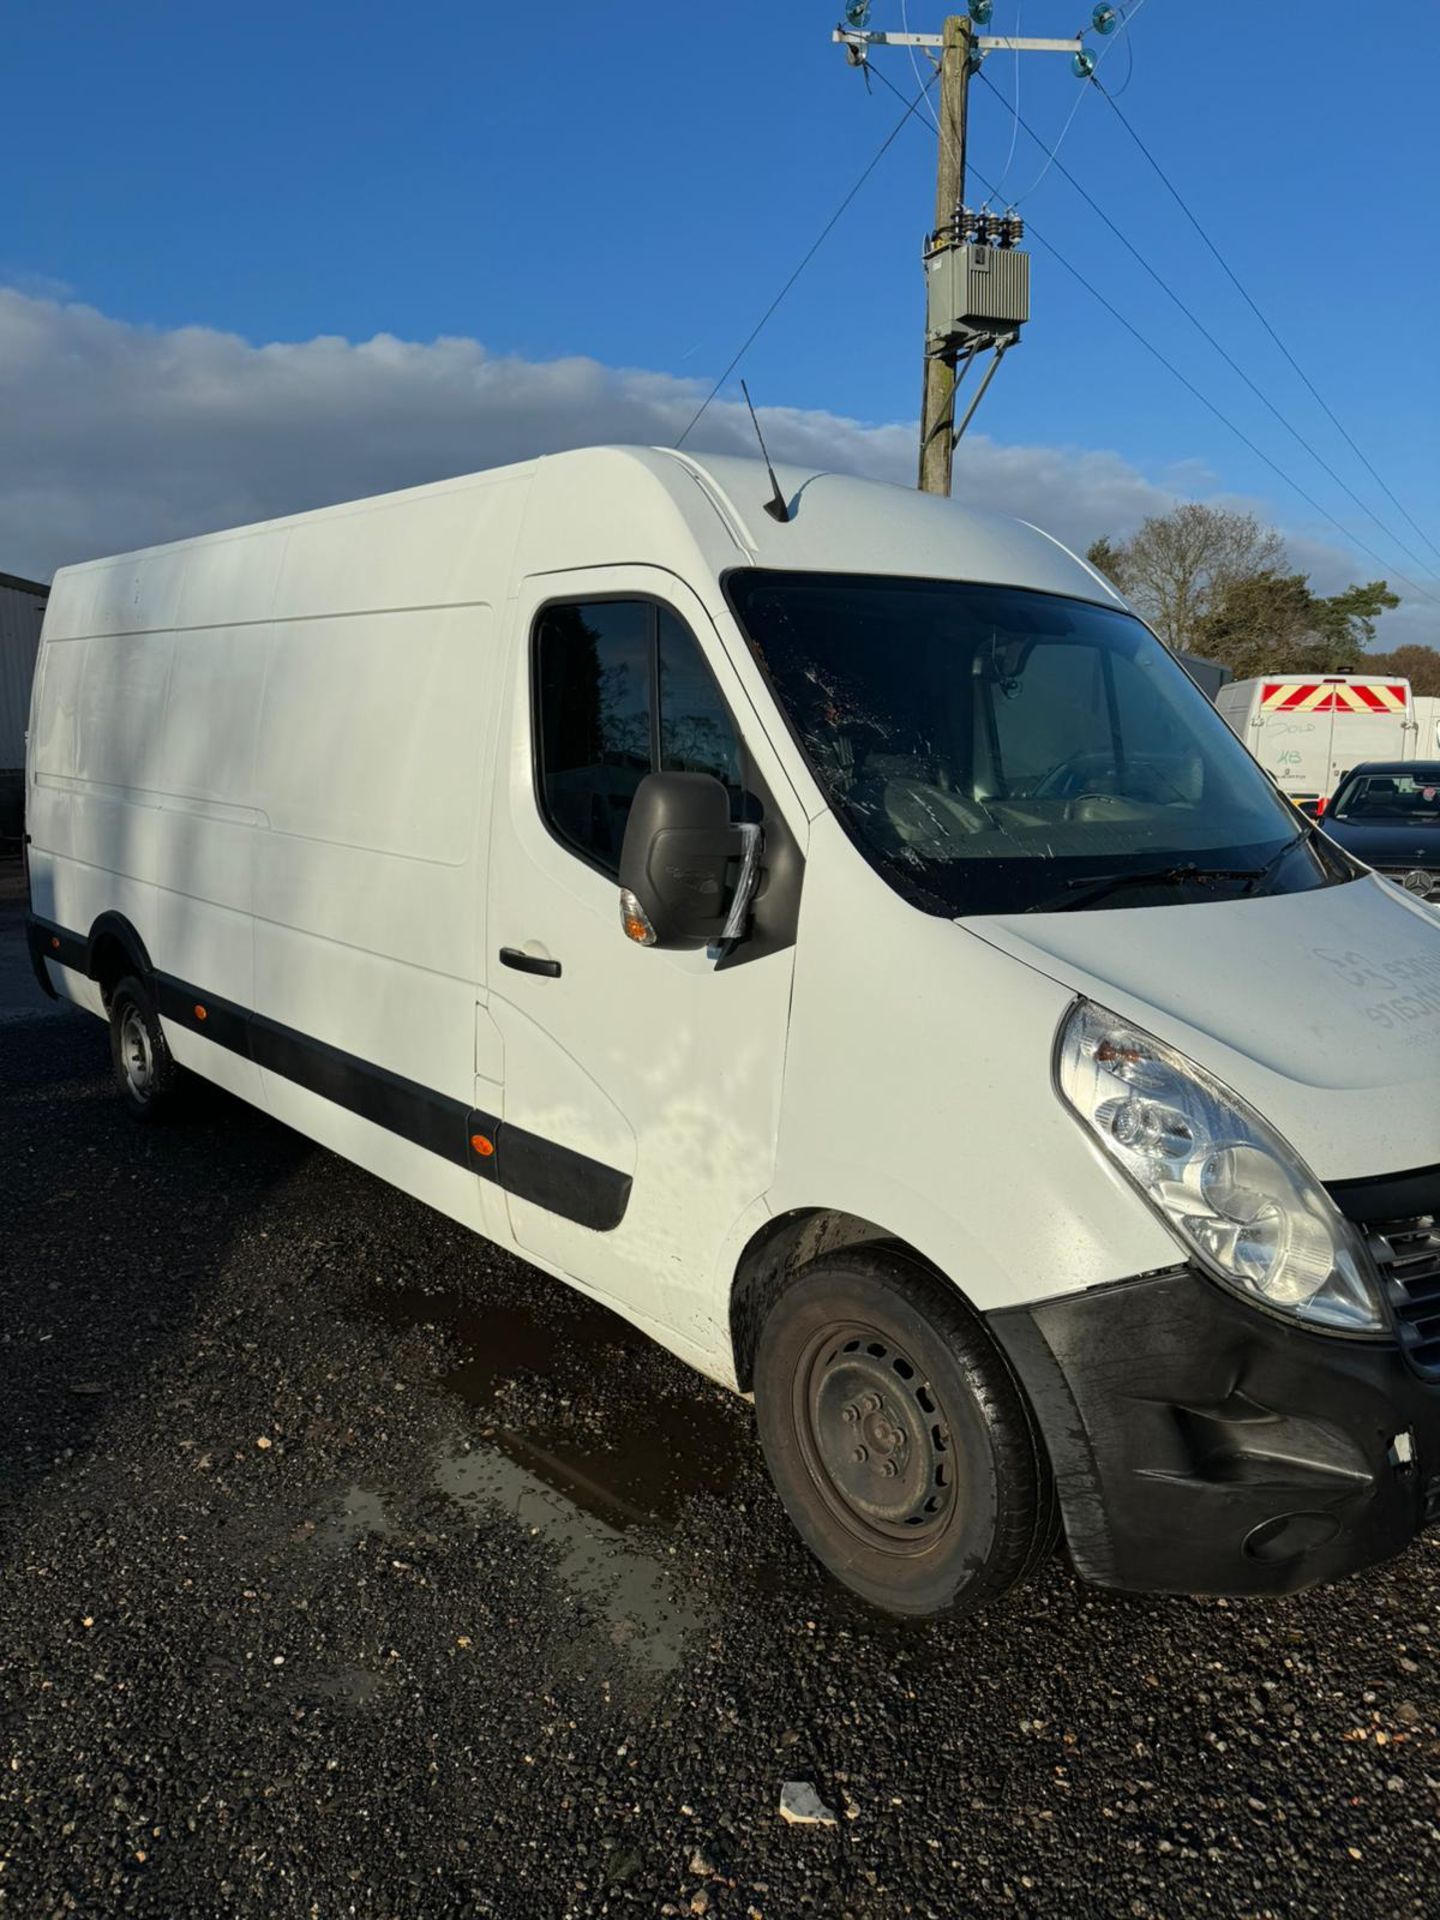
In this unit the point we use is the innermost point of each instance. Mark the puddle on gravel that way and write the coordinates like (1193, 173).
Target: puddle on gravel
(611, 1447)
(636, 1590)
(359, 1513)
(578, 1447)
(349, 1686)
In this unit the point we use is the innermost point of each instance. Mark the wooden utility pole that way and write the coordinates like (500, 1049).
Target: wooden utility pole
(937, 408)
(969, 308)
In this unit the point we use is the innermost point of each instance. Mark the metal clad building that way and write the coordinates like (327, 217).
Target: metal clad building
(22, 608)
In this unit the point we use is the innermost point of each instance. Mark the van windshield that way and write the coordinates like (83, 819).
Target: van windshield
(995, 750)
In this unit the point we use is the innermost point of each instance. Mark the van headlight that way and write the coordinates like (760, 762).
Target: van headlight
(1223, 1180)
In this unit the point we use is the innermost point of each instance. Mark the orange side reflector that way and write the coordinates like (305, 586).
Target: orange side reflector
(200, 1014)
(482, 1145)
(55, 943)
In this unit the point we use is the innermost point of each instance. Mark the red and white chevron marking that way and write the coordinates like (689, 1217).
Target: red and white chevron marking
(1333, 696)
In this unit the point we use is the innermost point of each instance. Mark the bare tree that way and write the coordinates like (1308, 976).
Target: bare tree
(1179, 563)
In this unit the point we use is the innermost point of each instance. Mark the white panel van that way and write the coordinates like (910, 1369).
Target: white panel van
(1308, 730)
(842, 939)
(1427, 726)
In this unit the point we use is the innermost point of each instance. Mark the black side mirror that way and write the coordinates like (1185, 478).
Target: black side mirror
(674, 864)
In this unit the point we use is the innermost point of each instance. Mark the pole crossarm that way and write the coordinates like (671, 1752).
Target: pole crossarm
(997, 43)
(987, 43)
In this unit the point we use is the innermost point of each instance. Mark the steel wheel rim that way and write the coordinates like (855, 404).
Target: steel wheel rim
(137, 1061)
(875, 1439)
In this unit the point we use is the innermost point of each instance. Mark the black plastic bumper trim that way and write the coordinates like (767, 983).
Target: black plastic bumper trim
(525, 1164)
(1201, 1446)
(40, 943)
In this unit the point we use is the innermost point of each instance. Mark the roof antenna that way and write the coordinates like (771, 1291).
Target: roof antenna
(776, 508)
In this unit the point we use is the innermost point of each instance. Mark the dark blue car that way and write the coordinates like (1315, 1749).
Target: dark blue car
(1387, 813)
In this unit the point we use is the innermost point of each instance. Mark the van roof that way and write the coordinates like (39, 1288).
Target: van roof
(1314, 679)
(843, 523)
(594, 505)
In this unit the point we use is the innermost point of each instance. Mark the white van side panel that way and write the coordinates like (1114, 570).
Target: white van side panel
(205, 880)
(151, 709)
(267, 752)
(1234, 703)
(369, 889)
(100, 839)
(377, 750)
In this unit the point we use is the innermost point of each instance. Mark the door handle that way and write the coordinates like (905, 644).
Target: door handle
(529, 962)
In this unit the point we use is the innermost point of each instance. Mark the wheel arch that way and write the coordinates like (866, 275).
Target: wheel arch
(792, 1240)
(113, 950)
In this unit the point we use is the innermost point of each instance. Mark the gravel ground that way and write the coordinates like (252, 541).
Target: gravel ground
(350, 1568)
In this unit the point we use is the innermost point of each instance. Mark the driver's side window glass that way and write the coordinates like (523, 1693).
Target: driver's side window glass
(621, 690)
(696, 732)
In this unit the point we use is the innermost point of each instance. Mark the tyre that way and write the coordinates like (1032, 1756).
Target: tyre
(150, 1082)
(897, 1437)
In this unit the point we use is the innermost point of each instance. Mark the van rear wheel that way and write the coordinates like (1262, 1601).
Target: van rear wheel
(150, 1082)
(897, 1437)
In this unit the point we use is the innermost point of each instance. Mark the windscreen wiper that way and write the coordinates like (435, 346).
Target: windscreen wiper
(1307, 832)
(1079, 893)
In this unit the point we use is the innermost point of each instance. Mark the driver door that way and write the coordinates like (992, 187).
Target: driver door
(645, 1083)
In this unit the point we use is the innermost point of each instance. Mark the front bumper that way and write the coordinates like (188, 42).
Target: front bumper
(1201, 1445)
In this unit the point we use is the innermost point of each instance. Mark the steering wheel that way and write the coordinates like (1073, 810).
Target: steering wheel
(1056, 783)
(1144, 780)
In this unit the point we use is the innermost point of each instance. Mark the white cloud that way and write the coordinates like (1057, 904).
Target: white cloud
(118, 436)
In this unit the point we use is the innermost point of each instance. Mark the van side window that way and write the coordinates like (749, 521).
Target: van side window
(696, 734)
(622, 690)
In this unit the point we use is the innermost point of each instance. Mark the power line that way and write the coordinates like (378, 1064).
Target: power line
(920, 81)
(1211, 407)
(1188, 384)
(810, 254)
(1235, 281)
(1126, 16)
(925, 86)
(1015, 117)
(1228, 358)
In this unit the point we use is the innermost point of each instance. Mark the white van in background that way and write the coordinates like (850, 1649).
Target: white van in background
(830, 929)
(1427, 726)
(1307, 730)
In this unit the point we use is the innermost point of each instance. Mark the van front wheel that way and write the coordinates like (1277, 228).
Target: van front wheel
(897, 1437)
(145, 1071)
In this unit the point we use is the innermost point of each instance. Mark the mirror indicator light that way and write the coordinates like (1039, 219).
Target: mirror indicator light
(635, 920)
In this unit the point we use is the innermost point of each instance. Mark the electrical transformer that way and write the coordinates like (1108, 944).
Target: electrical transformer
(976, 294)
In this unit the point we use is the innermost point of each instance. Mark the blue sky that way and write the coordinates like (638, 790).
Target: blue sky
(632, 185)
